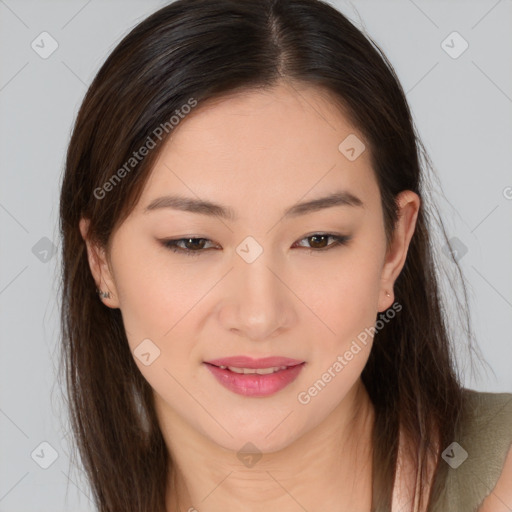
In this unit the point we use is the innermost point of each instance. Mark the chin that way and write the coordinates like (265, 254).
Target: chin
(256, 441)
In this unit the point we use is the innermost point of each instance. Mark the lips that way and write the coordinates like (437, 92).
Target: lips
(238, 374)
(249, 362)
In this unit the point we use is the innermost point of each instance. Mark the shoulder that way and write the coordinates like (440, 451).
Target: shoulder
(500, 498)
(487, 427)
(476, 467)
(485, 476)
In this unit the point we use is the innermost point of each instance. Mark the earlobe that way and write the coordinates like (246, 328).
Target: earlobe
(386, 300)
(99, 267)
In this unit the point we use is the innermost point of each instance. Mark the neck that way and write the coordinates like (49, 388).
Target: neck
(336, 455)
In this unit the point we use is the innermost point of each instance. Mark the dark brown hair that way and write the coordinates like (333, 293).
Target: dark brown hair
(205, 49)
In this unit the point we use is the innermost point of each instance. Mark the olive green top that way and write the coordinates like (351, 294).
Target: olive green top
(474, 464)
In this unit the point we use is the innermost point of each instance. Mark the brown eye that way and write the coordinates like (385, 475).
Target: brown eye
(194, 246)
(194, 243)
(190, 246)
(319, 241)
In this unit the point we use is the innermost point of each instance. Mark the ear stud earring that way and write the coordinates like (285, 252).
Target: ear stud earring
(103, 295)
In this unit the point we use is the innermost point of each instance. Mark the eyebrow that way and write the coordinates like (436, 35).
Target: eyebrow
(188, 204)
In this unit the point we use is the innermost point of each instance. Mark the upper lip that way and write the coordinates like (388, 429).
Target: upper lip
(249, 362)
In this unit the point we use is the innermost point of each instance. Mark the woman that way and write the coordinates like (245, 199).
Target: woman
(243, 189)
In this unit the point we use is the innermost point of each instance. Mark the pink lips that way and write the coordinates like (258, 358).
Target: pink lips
(253, 384)
(249, 362)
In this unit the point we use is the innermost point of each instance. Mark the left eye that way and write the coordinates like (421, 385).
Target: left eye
(319, 238)
(196, 246)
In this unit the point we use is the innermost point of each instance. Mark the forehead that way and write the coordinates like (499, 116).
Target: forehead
(272, 146)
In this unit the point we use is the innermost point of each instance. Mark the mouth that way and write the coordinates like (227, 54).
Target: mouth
(259, 371)
(250, 363)
(258, 381)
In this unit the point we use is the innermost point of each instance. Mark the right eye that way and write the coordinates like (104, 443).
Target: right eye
(193, 246)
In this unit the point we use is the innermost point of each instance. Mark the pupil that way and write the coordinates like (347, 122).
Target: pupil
(196, 243)
(316, 237)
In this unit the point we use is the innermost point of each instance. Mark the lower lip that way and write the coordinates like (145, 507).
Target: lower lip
(253, 384)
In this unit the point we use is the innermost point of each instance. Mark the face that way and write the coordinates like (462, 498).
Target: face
(264, 281)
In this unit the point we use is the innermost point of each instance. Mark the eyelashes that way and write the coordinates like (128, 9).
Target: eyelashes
(173, 245)
(196, 246)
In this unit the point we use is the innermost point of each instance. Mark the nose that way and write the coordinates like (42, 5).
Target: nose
(258, 302)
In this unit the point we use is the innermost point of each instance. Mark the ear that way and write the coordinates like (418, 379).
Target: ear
(409, 204)
(100, 267)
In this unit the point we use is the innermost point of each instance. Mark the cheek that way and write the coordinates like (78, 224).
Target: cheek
(349, 310)
(154, 292)
(162, 304)
(154, 301)
(345, 296)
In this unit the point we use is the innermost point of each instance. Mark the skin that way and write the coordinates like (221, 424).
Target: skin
(259, 153)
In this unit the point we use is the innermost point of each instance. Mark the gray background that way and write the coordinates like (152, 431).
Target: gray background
(462, 107)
